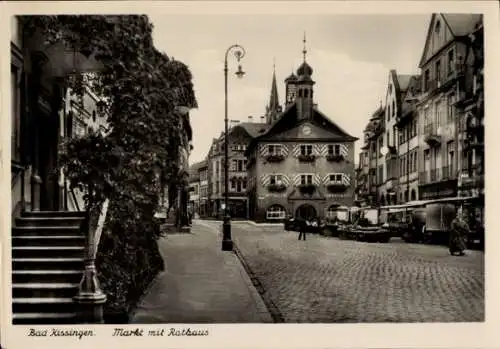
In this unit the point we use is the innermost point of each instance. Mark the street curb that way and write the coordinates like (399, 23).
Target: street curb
(257, 287)
(246, 221)
(271, 307)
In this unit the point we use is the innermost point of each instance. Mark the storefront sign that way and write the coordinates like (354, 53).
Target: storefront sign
(438, 190)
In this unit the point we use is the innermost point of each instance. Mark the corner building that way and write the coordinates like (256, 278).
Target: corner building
(301, 163)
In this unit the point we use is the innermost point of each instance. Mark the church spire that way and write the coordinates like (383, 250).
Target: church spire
(304, 51)
(274, 105)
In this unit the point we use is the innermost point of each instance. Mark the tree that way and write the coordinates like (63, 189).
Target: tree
(140, 89)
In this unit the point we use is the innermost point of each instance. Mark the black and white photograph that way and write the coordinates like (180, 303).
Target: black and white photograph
(246, 168)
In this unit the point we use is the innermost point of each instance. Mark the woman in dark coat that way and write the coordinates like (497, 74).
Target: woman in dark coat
(458, 235)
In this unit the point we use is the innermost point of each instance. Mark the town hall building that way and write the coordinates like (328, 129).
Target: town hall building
(302, 163)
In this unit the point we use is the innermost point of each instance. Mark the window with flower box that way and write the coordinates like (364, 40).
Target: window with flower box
(275, 153)
(334, 152)
(306, 153)
(276, 183)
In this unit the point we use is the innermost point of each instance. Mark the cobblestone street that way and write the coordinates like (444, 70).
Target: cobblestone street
(332, 280)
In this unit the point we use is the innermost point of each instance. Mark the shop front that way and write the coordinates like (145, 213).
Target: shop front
(438, 190)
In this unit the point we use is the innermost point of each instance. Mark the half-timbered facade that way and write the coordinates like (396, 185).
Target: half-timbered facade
(302, 163)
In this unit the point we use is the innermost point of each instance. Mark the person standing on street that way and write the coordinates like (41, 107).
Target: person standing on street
(302, 226)
(458, 234)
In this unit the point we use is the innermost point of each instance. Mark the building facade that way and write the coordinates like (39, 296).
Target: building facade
(442, 70)
(431, 130)
(371, 172)
(240, 136)
(394, 161)
(470, 113)
(44, 112)
(302, 163)
(198, 188)
(407, 125)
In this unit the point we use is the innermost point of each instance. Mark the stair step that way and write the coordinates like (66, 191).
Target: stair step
(46, 230)
(47, 251)
(49, 221)
(47, 263)
(44, 290)
(43, 305)
(53, 214)
(29, 276)
(44, 318)
(50, 240)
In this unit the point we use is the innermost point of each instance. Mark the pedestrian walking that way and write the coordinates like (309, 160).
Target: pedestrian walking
(458, 234)
(303, 228)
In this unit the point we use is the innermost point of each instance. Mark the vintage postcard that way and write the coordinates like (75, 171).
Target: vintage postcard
(201, 174)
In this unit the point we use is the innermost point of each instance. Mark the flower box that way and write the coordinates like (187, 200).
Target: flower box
(336, 158)
(307, 188)
(336, 187)
(306, 158)
(276, 188)
(275, 157)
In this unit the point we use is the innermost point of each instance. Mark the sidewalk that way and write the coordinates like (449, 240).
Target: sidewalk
(201, 284)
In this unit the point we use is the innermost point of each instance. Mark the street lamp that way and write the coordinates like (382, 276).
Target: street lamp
(227, 242)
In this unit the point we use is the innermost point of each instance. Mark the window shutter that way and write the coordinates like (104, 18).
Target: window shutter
(346, 180)
(284, 150)
(296, 150)
(285, 180)
(296, 180)
(324, 150)
(316, 179)
(265, 179)
(263, 150)
(326, 179)
(343, 150)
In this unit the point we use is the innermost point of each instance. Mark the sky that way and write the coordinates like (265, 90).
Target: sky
(351, 56)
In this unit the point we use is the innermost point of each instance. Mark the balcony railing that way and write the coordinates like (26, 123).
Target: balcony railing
(431, 135)
(436, 175)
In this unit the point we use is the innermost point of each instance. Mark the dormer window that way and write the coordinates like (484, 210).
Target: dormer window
(437, 29)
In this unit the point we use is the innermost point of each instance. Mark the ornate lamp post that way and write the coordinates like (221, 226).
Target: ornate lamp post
(227, 242)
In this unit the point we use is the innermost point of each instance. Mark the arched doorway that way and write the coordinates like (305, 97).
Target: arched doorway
(306, 211)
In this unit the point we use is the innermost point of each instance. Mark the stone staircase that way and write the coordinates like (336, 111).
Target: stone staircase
(47, 265)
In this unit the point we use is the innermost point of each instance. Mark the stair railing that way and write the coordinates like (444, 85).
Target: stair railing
(20, 175)
(73, 197)
(90, 296)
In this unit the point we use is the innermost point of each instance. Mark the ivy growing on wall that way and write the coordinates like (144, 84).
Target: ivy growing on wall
(141, 89)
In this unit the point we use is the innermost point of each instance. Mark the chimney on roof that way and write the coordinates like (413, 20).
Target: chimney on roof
(262, 118)
(315, 105)
(250, 118)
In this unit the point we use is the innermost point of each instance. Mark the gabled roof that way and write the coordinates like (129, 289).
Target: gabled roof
(288, 120)
(460, 24)
(194, 168)
(253, 129)
(404, 81)
(378, 113)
